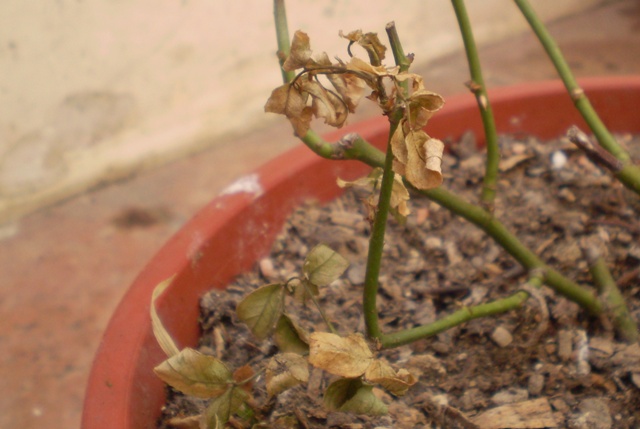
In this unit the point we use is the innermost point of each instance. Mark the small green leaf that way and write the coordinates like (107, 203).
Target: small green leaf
(365, 402)
(195, 374)
(340, 391)
(352, 395)
(285, 370)
(304, 290)
(323, 265)
(262, 308)
(223, 407)
(289, 337)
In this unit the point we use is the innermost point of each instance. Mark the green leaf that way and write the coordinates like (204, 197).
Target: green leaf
(340, 391)
(322, 265)
(289, 337)
(304, 290)
(223, 407)
(284, 371)
(262, 308)
(365, 402)
(352, 395)
(195, 374)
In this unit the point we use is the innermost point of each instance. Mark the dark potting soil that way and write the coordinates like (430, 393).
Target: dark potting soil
(548, 364)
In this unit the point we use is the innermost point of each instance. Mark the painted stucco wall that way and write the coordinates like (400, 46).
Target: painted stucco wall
(93, 90)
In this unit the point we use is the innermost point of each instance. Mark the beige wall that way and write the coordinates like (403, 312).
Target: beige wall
(92, 90)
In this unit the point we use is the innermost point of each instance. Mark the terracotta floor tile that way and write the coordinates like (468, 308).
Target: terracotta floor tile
(65, 268)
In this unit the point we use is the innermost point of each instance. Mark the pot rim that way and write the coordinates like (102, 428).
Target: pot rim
(108, 392)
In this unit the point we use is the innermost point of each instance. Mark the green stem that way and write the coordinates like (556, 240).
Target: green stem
(461, 316)
(282, 34)
(478, 88)
(320, 146)
(398, 52)
(360, 149)
(627, 173)
(577, 94)
(376, 241)
(457, 318)
(629, 176)
(496, 230)
(610, 293)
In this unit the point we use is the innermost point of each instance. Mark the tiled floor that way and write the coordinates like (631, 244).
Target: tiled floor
(64, 269)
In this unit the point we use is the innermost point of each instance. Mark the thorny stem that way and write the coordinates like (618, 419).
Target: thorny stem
(478, 88)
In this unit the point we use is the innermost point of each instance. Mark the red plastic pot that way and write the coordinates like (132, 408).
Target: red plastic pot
(227, 236)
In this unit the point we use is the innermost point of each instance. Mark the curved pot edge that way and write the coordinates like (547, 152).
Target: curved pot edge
(105, 397)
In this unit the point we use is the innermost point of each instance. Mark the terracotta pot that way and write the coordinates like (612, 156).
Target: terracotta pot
(227, 236)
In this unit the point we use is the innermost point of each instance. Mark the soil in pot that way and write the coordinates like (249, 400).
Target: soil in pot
(548, 364)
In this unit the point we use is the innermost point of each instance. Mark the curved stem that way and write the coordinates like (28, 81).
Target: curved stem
(454, 319)
(577, 94)
(496, 230)
(478, 88)
(319, 308)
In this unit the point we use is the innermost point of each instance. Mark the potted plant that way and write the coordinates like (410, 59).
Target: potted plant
(237, 228)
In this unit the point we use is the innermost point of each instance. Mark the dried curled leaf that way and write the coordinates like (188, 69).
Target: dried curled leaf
(421, 106)
(289, 337)
(195, 374)
(325, 104)
(288, 100)
(363, 67)
(417, 157)
(262, 308)
(369, 41)
(167, 344)
(350, 87)
(344, 356)
(399, 193)
(300, 52)
(284, 371)
(397, 383)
